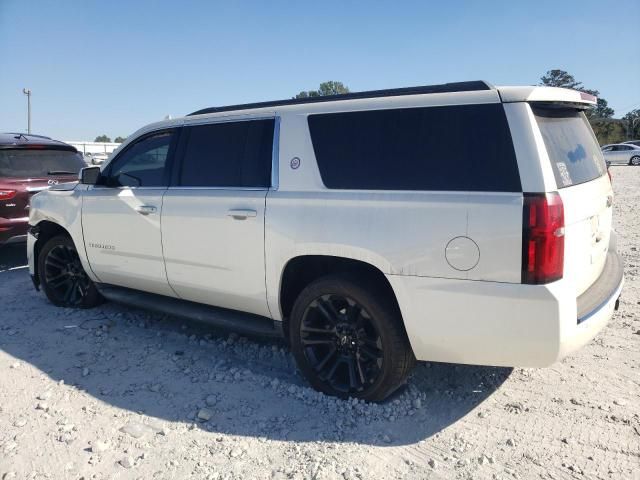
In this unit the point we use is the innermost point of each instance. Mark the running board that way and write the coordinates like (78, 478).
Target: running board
(232, 320)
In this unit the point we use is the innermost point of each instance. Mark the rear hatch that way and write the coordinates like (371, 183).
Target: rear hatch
(27, 171)
(584, 186)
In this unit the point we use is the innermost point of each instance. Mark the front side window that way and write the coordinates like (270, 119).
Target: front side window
(571, 145)
(230, 154)
(449, 148)
(143, 164)
(32, 163)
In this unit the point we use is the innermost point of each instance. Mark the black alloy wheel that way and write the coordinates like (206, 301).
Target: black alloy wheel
(63, 278)
(341, 343)
(348, 339)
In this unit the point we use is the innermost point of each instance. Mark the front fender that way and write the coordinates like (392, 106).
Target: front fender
(63, 208)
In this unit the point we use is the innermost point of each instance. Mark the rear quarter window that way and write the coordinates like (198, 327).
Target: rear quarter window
(449, 148)
(571, 145)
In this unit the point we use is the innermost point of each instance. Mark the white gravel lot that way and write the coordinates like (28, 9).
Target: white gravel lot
(121, 393)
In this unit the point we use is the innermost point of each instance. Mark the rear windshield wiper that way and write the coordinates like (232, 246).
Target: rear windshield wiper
(60, 172)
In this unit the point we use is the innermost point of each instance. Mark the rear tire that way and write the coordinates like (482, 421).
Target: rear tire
(348, 338)
(635, 161)
(64, 281)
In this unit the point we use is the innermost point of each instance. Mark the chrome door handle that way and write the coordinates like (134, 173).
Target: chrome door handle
(241, 214)
(146, 209)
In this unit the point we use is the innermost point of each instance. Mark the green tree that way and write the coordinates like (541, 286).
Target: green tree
(103, 138)
(560, 78)
(120, 139)
(602, 109)
(632, 124)
(608, 130)
(326, 88)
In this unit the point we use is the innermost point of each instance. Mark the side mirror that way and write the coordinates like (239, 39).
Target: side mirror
(89, 175)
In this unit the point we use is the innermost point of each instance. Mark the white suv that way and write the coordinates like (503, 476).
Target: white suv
(457, 223)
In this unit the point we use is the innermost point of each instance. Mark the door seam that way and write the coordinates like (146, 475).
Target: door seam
(164, 261)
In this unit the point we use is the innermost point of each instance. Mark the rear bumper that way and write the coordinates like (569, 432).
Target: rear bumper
(595, 306)
(13, 230)
(503, 324)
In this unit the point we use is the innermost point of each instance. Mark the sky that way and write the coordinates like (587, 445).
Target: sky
(110, 67)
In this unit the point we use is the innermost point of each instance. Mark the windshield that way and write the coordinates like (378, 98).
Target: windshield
(572, 148)
(39, 163)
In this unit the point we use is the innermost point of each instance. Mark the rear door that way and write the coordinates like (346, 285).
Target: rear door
(585, 189)
(121, 218)
(625, 153)
(213, 215)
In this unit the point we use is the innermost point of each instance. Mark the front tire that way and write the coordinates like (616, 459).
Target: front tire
(348, 339)
(64, 281)
(635, 161)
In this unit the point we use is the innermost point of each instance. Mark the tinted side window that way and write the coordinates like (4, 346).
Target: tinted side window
(233, 154)
(460, 148)
(142, 164)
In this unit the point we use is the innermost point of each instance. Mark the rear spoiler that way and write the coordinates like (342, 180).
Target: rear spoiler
(548, 95)
(31, 146)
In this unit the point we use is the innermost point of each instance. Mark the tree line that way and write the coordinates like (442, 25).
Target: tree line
(106, 139)
(606, 128)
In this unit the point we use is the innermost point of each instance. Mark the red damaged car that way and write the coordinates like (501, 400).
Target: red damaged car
(29, 164)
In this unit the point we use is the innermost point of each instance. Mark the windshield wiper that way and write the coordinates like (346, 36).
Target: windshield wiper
(60, 172)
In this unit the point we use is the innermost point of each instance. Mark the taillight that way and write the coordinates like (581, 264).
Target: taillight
(542, 238)
(7, 194)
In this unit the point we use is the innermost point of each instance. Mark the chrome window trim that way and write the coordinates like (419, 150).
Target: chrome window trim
(247, 117)
(275, 155)
(252, 189)
(125, 187)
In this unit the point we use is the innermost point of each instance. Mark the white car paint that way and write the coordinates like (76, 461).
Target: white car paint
(193, 248)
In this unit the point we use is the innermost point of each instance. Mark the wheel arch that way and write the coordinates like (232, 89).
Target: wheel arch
(302, 270)
(44, 231)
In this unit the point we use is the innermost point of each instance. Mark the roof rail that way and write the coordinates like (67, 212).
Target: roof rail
(393, 92)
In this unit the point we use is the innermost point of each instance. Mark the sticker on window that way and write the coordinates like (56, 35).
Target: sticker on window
(564, 174)
(599, 163)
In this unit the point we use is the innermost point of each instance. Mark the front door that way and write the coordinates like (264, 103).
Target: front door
(213, 217)
(121, 217)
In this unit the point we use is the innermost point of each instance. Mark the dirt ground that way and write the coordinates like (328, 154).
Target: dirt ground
(120, 393)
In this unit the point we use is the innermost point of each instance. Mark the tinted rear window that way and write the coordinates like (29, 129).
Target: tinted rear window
(39, 163)
(233, 154)
(572, 148)
(459, 148)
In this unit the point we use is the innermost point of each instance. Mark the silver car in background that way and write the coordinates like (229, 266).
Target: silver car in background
(621, 154)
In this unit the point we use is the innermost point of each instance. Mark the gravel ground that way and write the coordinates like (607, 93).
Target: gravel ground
(121, 393)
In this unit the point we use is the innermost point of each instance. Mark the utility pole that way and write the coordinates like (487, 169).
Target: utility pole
(27, 92)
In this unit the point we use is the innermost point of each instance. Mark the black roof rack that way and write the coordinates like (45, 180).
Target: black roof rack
(393, 92)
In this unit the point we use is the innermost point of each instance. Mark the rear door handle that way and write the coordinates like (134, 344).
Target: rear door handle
(240, 214)
(146, 209)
